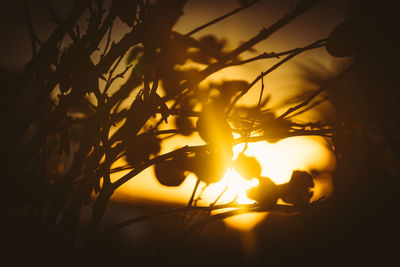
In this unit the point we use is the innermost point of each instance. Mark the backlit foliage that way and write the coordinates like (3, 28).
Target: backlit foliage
(94, 101)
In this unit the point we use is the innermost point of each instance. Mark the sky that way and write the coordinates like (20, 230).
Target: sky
(316, 23)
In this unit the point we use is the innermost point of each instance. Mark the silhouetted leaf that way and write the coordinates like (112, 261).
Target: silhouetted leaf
(139, 112)
(133, 54)
(176, 53)
(212, 125)
(160, 18)
(342, 40)
(199, 56)
(227, 90)
(169, 174)
(139, 149)
(247, 167)
(185, 125)
(298, 190)
(170, 82)
(213, 43)
(172, 79)
(187, 104)
(125, 10)
(265, 193)
(210, 49)
(275, 130)
(209, 167)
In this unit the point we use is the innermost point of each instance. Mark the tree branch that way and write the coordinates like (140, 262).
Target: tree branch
(214, 21)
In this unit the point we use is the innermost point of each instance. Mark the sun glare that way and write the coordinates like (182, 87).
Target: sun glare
(277, 160)
(231, 187)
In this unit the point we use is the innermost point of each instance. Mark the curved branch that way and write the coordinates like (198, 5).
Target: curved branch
(298, 51)
(214, 21)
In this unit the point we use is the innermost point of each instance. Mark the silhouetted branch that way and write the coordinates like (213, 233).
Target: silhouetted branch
(236, 209)
(214, 21)
(147, 164)
(266, 55)
(178, 210)
(303, 104)
(262, 35)
(28, 22)
(87, 131)
(309, 107)
(274, 67)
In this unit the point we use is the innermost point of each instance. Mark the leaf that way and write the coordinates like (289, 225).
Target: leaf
(199, 56)
(133, 54)
(185, 125)
(342, 40)
(139, 112)
(213, 44)
(229, 88)
(266, 193)
(275, 130)
(247, 167)
(170, 82)
(139, 149)
(164, 110)
(212, 125)
(172, 79)
(125, 9)
(209, 167)
(169, 174)
(298, 190)
(187, 104)
(209, 48)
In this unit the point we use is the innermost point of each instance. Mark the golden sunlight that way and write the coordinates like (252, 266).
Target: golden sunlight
(277, 160)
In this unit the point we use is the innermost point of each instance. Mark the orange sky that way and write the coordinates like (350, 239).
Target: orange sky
(282, 83)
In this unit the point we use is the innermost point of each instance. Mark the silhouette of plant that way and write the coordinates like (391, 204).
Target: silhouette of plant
(62, 142)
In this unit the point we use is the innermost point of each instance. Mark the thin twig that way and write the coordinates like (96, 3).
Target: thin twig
(303, 104)
(253, 119)
(319, 132)
(262, 35)
(214, 21)
(56, 18)
(107, 42)
(183, 218)
(266, 55)
(178, 210)
(274, 67)
(309, 107)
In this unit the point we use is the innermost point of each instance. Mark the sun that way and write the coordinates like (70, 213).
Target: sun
(278, 161)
